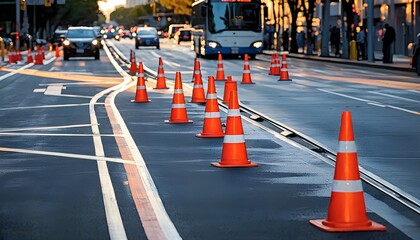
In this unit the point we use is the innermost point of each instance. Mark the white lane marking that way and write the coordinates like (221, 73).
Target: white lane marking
(56, 134)
(414, 91)
(71, 95)
(155, 54)
(371, 102)
(16, 71)
(54, 89)
(49, 60)
(39, 90)
(51, 69)
(46, 106)
(261, 68)
(112, 212)
(172, 64)
(393, 96)
(45, 128)
(66, 155)
(152, 193)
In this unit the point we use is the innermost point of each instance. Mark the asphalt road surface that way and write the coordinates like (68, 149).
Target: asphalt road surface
(79, 160)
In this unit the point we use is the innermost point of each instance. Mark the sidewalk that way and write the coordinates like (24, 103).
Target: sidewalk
(401, 62)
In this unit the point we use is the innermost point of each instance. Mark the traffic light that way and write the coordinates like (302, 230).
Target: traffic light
(22, 5)
(47, 3)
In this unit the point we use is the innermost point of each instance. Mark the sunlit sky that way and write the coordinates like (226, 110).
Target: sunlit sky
(108, 6)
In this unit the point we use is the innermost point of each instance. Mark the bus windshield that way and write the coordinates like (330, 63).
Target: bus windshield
(234, 16)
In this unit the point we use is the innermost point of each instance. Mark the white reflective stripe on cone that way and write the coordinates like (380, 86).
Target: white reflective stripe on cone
(284, 62)
(140, 75)
(283, 69)
(219, 62)
(234, 113)
(212, 115)
(220, 69)
(247, 71)
(198, 86)
(246, 63)
(141, 87)
(234, 139)
(347, 186)
(178, 91)
(211, 96)
(160, 75)
(178, 105)
(347, 147)
(197, 72)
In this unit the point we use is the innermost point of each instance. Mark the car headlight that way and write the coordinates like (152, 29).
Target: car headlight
(95, 42)
(117, 37)
(66, 42)
(134, 34)
(257, 44)
(105, 36)
(213, 44)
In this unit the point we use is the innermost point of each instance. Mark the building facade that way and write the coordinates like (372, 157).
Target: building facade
(133, 3)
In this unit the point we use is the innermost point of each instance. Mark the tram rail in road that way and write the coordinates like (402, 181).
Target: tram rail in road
(284, 132)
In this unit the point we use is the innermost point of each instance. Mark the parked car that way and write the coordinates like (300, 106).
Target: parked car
(182, 35)
(147, 36)
(81, 41)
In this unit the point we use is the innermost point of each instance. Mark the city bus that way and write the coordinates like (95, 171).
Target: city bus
(227, 26)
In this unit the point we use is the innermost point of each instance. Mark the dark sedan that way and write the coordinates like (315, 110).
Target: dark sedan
(147, 36)
(81, 42)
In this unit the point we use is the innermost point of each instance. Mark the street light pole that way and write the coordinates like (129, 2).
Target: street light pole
(17, 24)
(371, 31)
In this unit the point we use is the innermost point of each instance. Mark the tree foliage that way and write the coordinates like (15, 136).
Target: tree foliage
(178, 6)
(129, 16)
(78, 12)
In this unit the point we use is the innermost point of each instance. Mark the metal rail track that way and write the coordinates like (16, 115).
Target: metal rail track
(306, 142)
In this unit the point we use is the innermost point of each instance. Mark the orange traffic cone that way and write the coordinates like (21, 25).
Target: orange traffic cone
(347, 211)
(234, 149)
(57, 51)
(178, 111)
(19, 55)
(161, 80)
(230, 85)
(220, 74)
(198, 90)
(246, 76)
(141, 92)
(133, 66)
(196, 69)
(284, 74)
(10, 56)
(212, 125)
(50, 47)
(275, 65)
(30, 59)
(38, 57)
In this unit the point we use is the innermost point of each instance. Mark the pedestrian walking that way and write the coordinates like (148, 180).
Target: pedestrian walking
(388, 43)
(361, 43)
(300, 40)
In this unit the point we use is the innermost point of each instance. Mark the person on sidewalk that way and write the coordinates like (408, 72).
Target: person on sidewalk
(388, 43)
(361, 43)
(300, 41)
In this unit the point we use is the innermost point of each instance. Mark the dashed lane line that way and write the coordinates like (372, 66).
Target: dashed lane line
(371, 102)
(44, 128)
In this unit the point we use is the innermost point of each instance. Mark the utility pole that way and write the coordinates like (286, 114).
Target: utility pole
(17, 24)
(371, 31)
